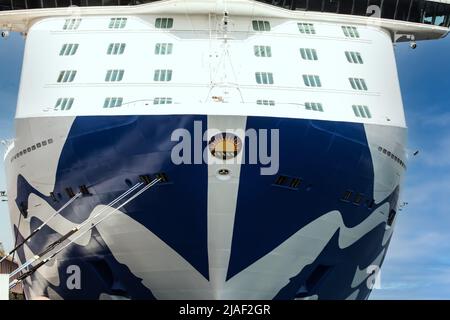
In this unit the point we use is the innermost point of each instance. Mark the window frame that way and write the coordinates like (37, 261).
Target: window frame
(262, 51)
(64, 104)
(162, 100)
(113, 102)
(351, 32)
(314, 106)
(312, 80)
(71, 24)
(309, 54)
(358, 84)
(167, 25)
(162, 75)
(265, 78)
(66, 76)
(354, 57)
(118, 23)
(163, 48)
(265, 102)
(116, 48)
(114, 75)
(362, 111)
(261, 25)
(306, 28)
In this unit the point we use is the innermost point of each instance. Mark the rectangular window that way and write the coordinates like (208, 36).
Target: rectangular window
(164, 23)
(64, 104)
(306, 28)
(353, 57)
(114, 75)
(264, 77)
(116, 48)
(260, 25)
(361, 111)
(66, 76)
(113, 102)
(68, 49)
(367, 111)
(311, 80)
(308, 54)
(71, 24)
(162, 100)
(358, 84)
(264, 102)
(117, 23)
(163, 48)
(350, 32)
(314, 106)
(263, 51)
(162, 75)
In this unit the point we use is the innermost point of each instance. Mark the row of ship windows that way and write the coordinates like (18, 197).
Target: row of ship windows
(308, 54)
(32, 148)
(392, 156)
(63, 104)
(258, 25)
(165, 75)
(118, 23)
(360, 111)
(70, 49)
(310, 80)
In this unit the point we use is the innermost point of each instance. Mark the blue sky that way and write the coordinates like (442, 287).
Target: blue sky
(417, 265)
(11, 53)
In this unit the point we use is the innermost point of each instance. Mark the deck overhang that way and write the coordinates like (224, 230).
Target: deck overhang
(21, 20)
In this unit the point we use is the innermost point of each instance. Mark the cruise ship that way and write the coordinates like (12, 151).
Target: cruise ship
(229, 149)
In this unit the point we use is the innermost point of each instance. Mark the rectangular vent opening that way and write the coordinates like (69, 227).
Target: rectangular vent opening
(53, 196)
(288, 182)
(84, 190)
(69, 192)
(163, 177)
(346, 196)
(295, 182)
(281, 180)
(145, 178)
(358, 199)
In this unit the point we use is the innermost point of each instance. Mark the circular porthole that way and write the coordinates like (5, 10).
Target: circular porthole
(225, 146)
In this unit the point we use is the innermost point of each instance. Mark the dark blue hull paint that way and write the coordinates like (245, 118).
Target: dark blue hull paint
(104, 152)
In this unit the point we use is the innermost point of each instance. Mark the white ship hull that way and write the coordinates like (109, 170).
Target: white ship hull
(197, 235)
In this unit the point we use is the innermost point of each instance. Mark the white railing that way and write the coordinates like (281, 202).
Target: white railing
(8, 145)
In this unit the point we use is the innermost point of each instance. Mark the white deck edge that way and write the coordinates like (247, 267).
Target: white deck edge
(21, 20)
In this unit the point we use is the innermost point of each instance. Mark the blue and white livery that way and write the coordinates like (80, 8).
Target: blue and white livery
(104, 88)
